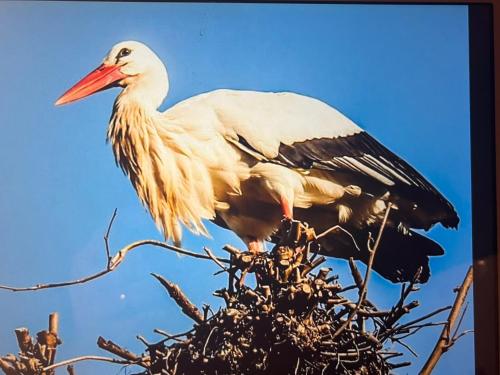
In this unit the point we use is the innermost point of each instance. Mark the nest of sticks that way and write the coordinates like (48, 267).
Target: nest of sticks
(296, 320)
(282, 314)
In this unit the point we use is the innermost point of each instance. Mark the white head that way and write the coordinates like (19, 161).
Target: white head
(131, 65)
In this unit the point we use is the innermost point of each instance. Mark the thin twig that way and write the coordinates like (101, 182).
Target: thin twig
(212, 256)
(115, 261)
(106, 236)
(362, 291)
(460, 320)
(387, 333)
(143, 340)
(410, 349)
(86, 358)
(168, 335)
(338, 228)
(208, 339)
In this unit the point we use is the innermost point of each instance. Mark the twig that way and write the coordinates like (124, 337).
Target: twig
(362, 291)
(115, 349)
(312, 265)
(459, 324)
(173, 337)
(208, 339)
(212, 256)
(52, 337)
(143, 340)
(86, 358)
(414, 329)
(398, 365)
(231, 250)
(71, 370)
(24, 341)
(168, 335)
(106, 237)
(427, 316)
(410, 349)
(115, 261)
(293, 304)
(180, 298)
(356, 275)
(338, 228)
(445, 340)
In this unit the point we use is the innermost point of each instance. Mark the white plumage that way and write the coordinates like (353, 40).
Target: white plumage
(244, 159)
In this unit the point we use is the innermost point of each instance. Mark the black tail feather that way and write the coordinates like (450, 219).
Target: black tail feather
(398, 257)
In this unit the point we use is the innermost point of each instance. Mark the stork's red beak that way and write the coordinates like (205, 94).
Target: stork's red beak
(99, 79)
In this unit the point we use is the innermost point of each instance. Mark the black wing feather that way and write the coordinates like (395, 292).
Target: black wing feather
(361, 159)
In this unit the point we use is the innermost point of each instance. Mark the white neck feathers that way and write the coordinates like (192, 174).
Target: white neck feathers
(163, 166)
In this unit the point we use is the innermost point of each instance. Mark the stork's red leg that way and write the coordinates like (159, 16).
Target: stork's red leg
(286, 208)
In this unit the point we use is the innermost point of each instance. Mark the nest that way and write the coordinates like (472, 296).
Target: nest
(296, 320)
(293, 317)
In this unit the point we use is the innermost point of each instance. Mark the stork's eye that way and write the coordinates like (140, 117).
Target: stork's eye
(124, 52)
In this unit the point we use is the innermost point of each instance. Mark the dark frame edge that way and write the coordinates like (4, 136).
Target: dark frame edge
(484, 188)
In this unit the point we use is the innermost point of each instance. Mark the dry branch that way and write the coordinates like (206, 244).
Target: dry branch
(115, 349)
(85, 358)
(364, 285)
(34, 354)
(181, 299)
(112, 262)
(446, 339)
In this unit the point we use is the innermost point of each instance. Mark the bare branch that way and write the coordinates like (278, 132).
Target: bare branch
(24, 341)
(106, 236)
(460, 320)
(86, 358)
(112, 264)
(52, 339)
(362, 291)
(356, 275)
(422, 318)
(168, 335)
(338, 228)
(180, 298)
(410, 349)
(212, 256)
(445, 340)
(115, 349)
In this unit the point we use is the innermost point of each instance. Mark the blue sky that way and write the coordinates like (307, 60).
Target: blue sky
(400, 72)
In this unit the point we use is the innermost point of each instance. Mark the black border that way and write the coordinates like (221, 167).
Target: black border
(484, 239)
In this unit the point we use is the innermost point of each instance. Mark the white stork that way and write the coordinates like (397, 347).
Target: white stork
(245, 159)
